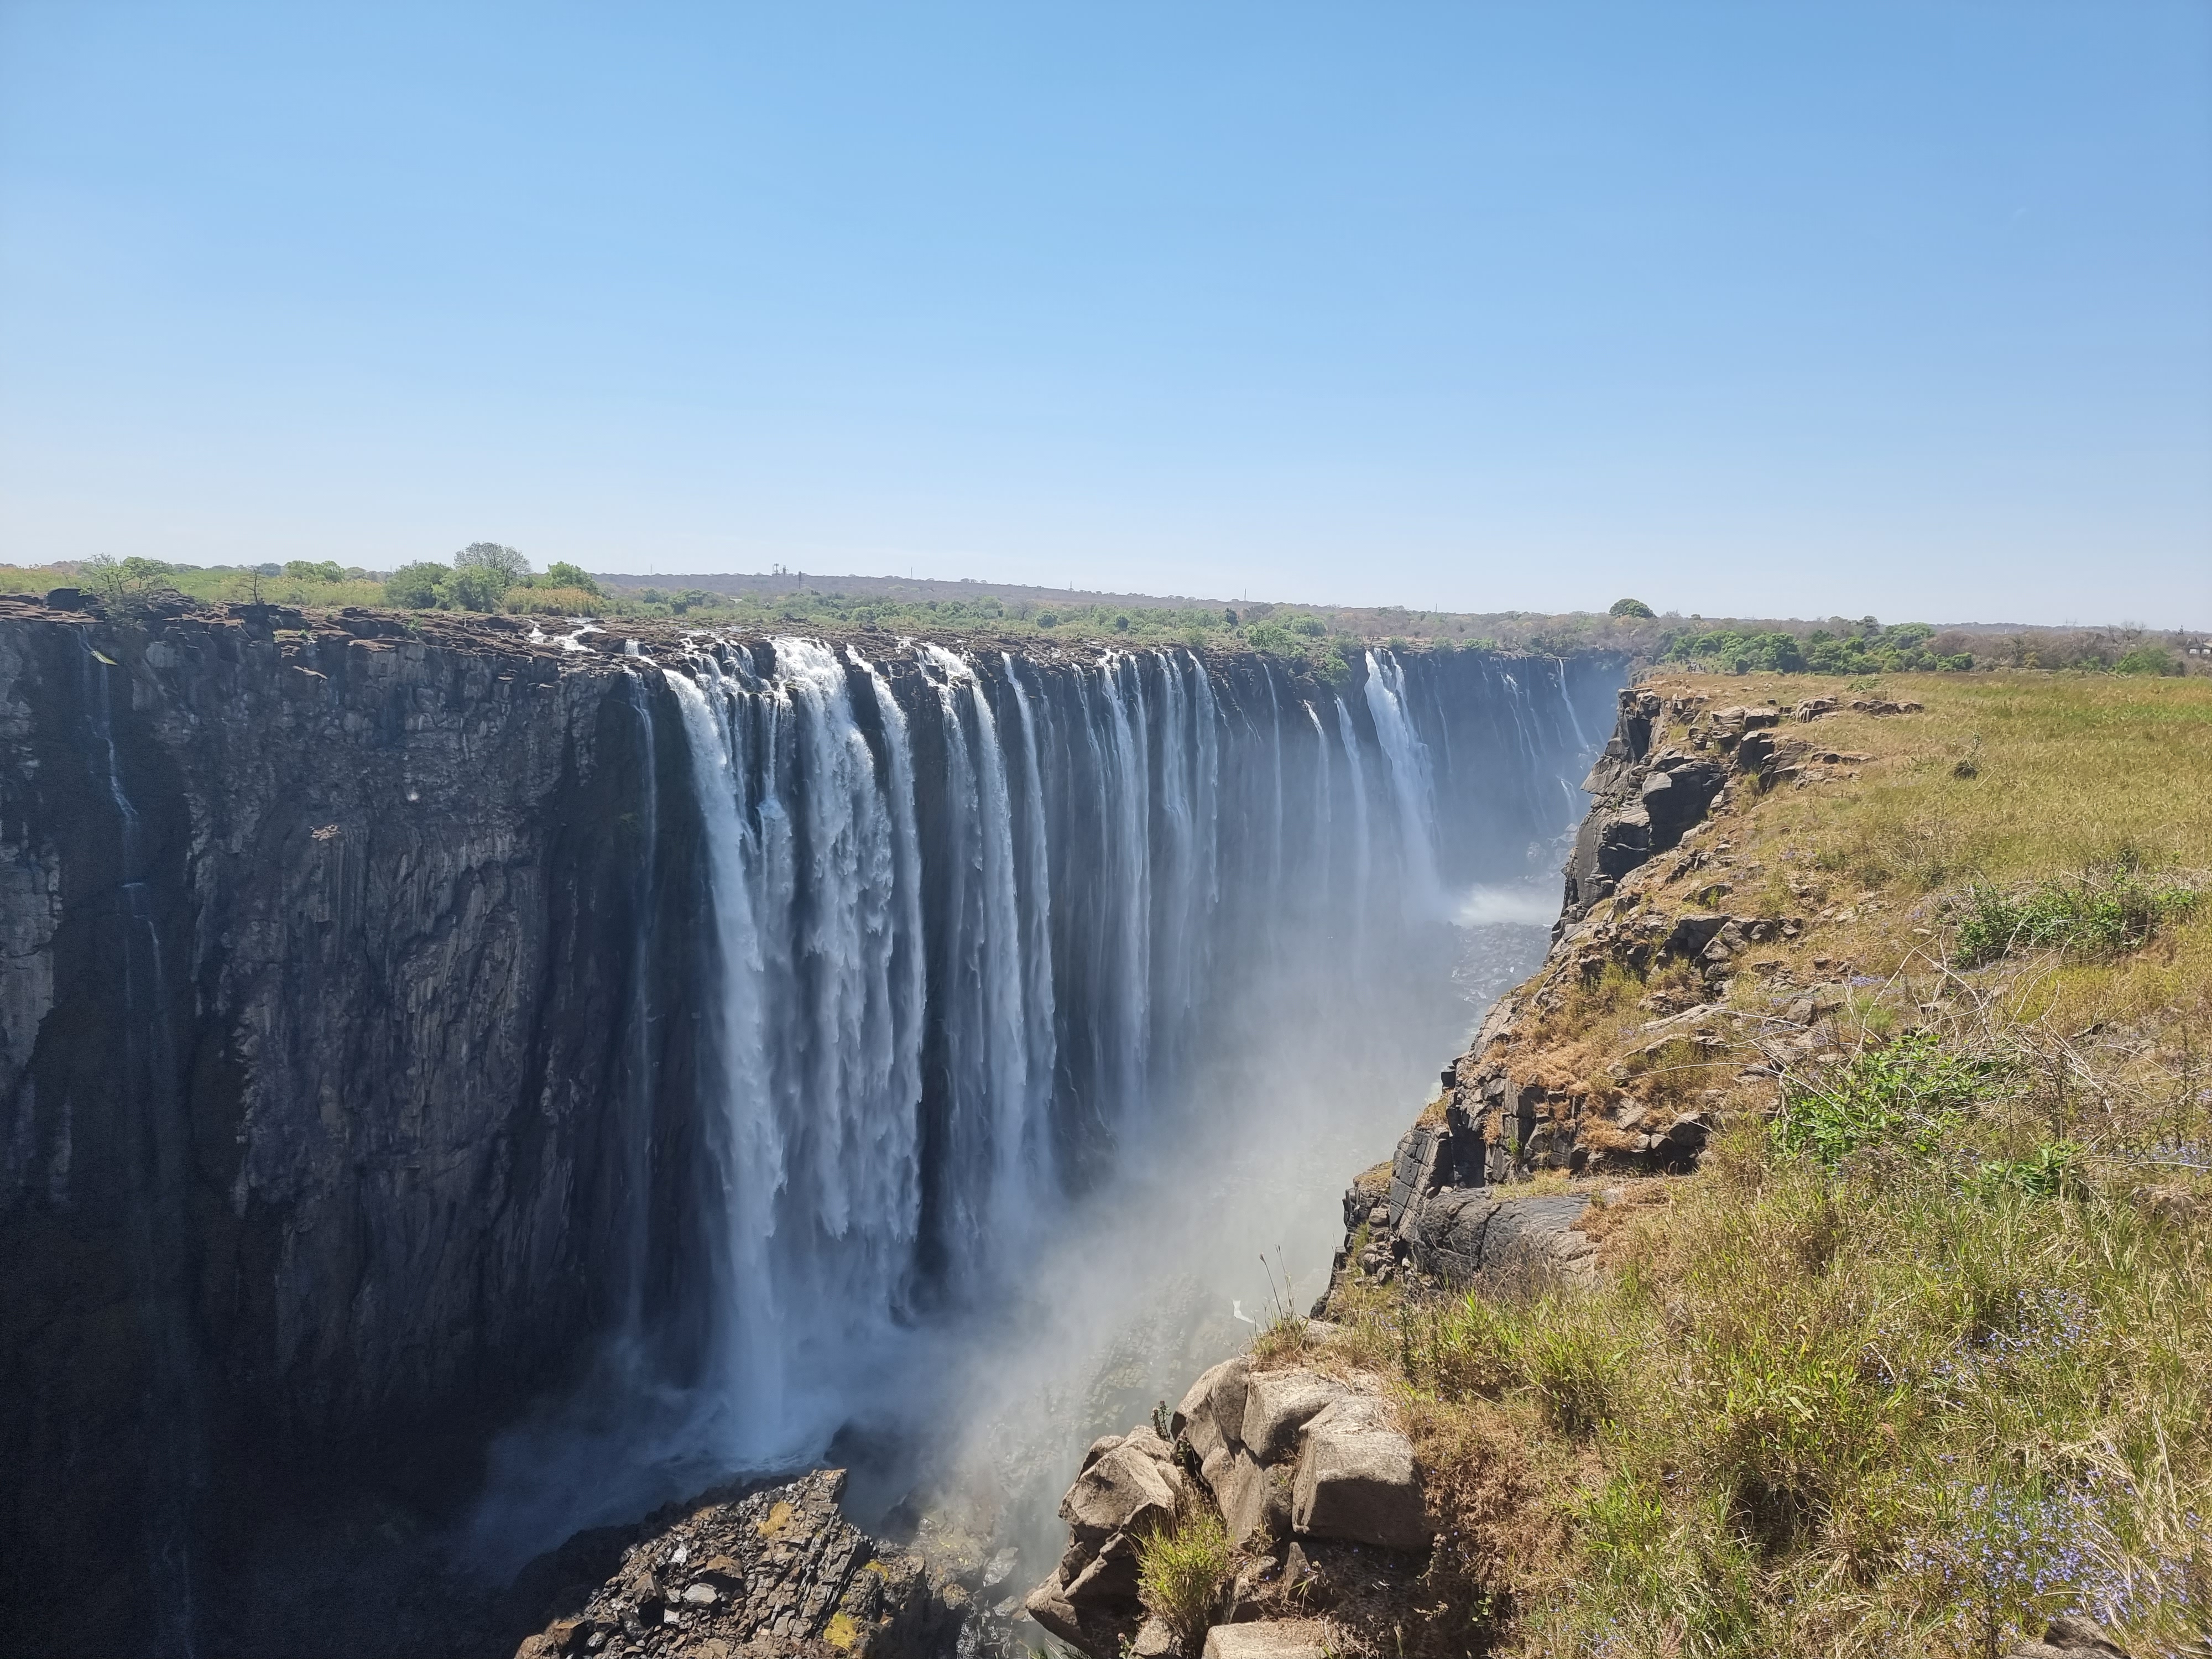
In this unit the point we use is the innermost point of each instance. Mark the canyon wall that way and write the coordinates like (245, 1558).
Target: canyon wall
(399, 1021)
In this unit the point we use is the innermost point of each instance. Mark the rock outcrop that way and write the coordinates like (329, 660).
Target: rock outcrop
(1446, 1207)
(1300, 1464)
(772, 1574)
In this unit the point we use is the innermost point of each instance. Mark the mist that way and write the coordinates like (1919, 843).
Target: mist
(1043, 1009)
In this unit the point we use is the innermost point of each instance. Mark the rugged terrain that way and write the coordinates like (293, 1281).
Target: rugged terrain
(1814, 1257)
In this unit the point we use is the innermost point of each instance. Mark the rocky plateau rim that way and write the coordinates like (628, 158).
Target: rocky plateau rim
(582, 641)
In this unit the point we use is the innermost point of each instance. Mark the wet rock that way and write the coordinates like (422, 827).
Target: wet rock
(781, 1565)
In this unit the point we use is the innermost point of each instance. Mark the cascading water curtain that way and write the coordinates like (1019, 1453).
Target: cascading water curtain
(975, 919)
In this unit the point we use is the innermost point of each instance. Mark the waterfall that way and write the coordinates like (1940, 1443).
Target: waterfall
(151, 1111)
(1406, 759)
(980, 928)
(817, 1033)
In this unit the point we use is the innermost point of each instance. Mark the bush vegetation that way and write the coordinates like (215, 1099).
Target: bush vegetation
(2097, 914)
(1325, 639)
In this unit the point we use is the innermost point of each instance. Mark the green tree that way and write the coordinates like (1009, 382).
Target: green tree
(310, 570)
(504, 565)
(476, 587)
(561, 574)
(2147, 660)
(419, 586)
(1629, 608)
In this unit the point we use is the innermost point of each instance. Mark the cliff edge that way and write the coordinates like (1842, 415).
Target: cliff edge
(1795, 1263)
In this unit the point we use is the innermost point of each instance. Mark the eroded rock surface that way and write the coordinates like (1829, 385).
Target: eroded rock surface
(776, 1574)
(1294, 1460)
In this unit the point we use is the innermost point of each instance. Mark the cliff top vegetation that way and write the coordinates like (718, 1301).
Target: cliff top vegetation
(488, 577)
(1920, 1357)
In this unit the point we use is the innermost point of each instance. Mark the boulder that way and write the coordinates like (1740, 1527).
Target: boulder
(1123, 1489)
(1156, 1639)
(1289, 1639)
(1254, 1499)
(1212, 1415)
(1278, 1404)
(1356, 1479)
(1110, 1580)
(1048, 1605)
(1215, 1470)
(1099, 1448)
(1146, 1439)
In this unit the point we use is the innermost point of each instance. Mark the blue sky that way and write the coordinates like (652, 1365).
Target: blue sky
(1766, 309)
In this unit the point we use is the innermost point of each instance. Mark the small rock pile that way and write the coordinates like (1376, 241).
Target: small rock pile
(779, 1574)
(1314, 1478)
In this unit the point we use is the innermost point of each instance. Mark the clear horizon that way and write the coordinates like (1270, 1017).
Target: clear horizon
(1886, 308)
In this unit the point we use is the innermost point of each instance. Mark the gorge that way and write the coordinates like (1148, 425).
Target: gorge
(516, 1079)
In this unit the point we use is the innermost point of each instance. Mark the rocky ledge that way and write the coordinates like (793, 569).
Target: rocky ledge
(1645, 895)
(765, 1574)
(1314, 1481)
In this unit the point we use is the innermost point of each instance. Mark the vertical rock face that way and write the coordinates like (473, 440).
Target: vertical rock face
(324, 1055)
(396, 1018)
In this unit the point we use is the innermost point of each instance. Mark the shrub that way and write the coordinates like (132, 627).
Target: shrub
(2091, 917)
(1181, 1570)
(560, 573)
(420, 586)
(1910, 1093)
(2052, 1170)
(2147, 660)
(475, 588)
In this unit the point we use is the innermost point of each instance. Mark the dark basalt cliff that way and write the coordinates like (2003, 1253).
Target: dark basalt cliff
(358, 1087)
(323, 1053)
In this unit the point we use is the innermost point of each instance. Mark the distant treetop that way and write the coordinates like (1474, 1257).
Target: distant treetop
(506, 563)
(1629, 608)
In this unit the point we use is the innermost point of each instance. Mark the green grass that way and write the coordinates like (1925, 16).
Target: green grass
(1854, 1413)
(2092, 915)
(1181, 1570)
(1912, 1094)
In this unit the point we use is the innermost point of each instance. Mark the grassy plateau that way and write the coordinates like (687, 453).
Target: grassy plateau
(1921, 1355)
